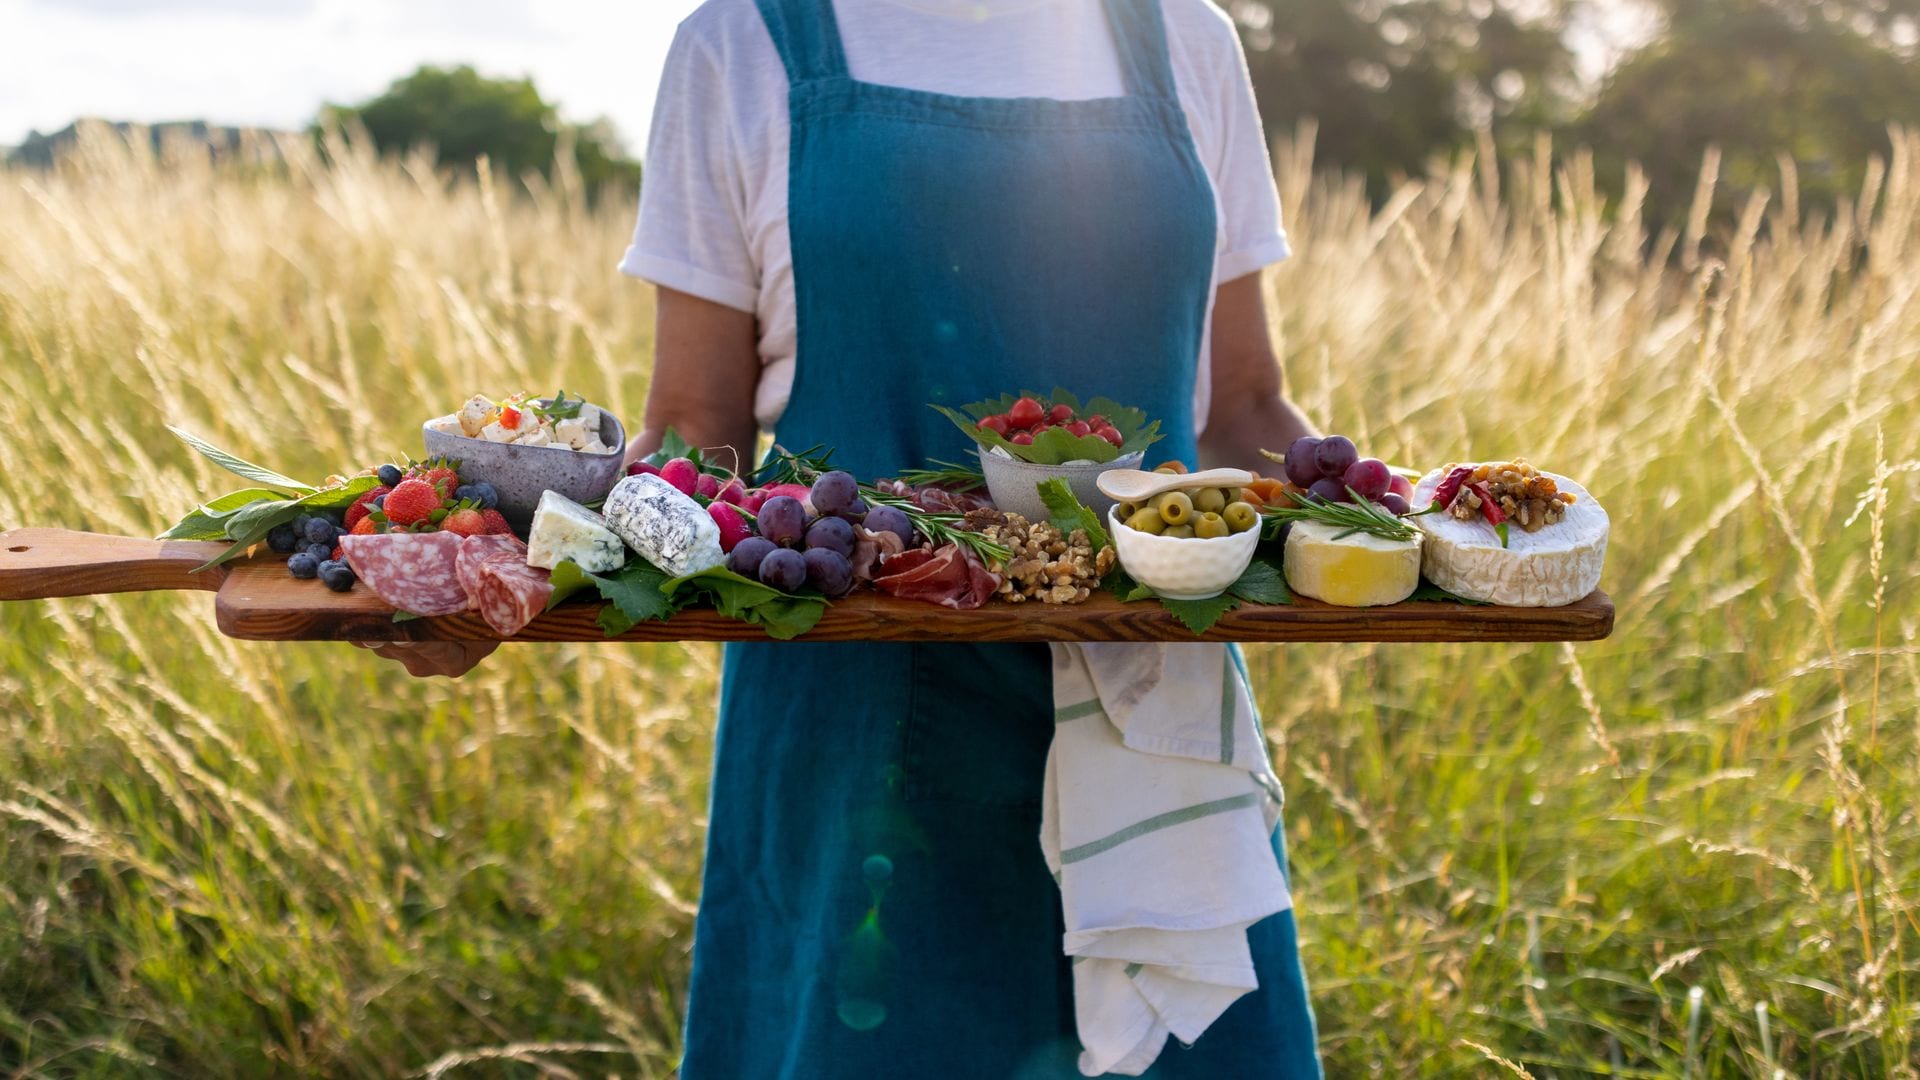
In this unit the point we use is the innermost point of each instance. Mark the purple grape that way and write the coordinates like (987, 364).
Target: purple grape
(834, 492)
(1394, 503)
(1329, 489)
(784, 569)
(829, 571)
(831, 534)
(783, 520)
(856, 512)
(1369, 478)
(1335, 454)
(891, 519)
(1302, 468)
(747, 555)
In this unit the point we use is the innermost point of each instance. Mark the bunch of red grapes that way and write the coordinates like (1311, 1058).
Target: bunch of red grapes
(1028, 417)
(1332, 469)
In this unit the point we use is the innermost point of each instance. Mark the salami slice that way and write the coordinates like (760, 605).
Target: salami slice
(415, 572)
(511, 594)
(479, 550)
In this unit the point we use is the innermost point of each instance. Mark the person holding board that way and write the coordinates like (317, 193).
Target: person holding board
(853, 208)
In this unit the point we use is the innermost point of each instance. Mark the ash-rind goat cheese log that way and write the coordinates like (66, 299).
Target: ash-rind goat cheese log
(563, 529)
(1557, 565)
(666, 527)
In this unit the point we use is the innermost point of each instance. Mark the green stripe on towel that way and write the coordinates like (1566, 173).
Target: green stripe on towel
(1156, 823)
(1075, 712)
(1227, 696)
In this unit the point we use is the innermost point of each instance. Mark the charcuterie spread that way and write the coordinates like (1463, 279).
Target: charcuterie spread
(522, 505)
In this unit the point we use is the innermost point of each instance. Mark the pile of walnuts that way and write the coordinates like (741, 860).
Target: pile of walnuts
(1046, 564)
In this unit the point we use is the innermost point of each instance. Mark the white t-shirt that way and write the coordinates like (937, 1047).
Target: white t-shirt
(713, 205)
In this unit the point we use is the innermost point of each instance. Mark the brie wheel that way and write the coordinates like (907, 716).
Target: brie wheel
(1353, 571)
(1557, 565)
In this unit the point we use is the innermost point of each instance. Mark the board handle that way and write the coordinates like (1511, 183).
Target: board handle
(36, 564)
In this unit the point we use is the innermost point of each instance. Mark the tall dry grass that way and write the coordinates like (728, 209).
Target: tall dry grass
(1689, 850)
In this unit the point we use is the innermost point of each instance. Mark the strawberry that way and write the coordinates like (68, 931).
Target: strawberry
(465, 521)
(413, 502)
(339, 553)
(363, 505)
(496, 523)
(439, 472)
(366, 526)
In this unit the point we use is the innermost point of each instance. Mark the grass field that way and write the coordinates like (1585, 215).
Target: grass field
(1690, 849)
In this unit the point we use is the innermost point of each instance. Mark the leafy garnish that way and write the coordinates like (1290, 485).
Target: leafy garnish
(1067, 512)
(1359, 516)
(783, 615)
(1200, 615)
(1260, 583)
(1500, 530)
(251, 523)
(949, 476)
(257, 473)
(1058, 445)
(558, 407)
(634, 593)
(209, 520)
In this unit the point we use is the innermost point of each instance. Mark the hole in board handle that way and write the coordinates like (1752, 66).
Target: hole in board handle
(21, 547)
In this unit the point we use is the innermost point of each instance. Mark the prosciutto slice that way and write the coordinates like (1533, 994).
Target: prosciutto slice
(949, 575)
(415, 572)
(870, 549)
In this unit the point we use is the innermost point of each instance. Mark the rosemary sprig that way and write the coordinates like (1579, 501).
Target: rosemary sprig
(1358, 516)
(949, 476)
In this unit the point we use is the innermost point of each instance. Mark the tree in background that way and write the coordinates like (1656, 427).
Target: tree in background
(1394, 82)
(1814, 80)
(464, 114)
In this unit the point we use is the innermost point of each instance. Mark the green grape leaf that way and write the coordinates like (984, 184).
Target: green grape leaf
(1262, 583)
(782, 615)
(1200, 615)
(1067, 512)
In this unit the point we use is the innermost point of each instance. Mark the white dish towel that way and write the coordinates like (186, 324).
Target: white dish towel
(1157, 821)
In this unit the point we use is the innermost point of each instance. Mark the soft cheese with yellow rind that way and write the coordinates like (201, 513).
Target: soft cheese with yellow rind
(1353, 571)
(1557, 565)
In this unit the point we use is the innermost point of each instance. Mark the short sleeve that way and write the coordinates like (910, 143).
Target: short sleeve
(1251, 233)
(691, 233)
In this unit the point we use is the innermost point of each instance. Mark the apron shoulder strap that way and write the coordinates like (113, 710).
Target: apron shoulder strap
(1140, 32)
(807, 36)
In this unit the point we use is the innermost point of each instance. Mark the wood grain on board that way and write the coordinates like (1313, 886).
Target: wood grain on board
(257, 599)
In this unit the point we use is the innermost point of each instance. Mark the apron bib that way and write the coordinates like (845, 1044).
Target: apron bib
(874, 900)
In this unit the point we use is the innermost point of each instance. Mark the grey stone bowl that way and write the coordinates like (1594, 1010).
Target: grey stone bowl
(1014, 483)
(521, 473)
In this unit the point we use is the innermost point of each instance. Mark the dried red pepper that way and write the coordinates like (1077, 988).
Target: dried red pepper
(1449, 486)
(1490, 509)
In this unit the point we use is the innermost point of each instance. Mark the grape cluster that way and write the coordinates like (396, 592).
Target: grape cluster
(1331, 468)
(795, 548)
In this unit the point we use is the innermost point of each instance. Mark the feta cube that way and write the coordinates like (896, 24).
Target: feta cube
(534, 435)
(574, 433)
(476, 414)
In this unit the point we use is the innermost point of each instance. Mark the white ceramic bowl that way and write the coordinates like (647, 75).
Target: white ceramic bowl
(1015, 484)
(1181, 569)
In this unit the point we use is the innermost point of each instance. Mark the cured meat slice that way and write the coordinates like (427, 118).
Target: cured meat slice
(415, 572)
(478, 550)
(949, 575)
(870, 549)
(511, 594)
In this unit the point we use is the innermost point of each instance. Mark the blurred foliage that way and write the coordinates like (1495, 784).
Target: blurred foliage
(464, 114)
(1392, 83)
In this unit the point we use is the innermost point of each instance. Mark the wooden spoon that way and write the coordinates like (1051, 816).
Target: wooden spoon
(1133, 485)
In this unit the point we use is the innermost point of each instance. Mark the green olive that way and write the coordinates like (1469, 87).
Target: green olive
(1241, 516)
(1174, 506)
(1210, 526)
(1147, 521)
(1125, 510)
(1179, 532)
(1209, 501)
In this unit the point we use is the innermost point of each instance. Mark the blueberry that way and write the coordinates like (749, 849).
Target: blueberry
(379, 502)
(322, 531)
(303, 565)
(320, 552)
(281, 538)
(300, 524)
(390, 475)
(489, 498)
(337, 576)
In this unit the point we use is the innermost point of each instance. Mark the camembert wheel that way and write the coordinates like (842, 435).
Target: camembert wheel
(1556, 565)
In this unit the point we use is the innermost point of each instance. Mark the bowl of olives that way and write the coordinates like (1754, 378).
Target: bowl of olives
(1186, 544)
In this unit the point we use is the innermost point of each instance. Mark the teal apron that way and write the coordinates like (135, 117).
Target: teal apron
(875, 903)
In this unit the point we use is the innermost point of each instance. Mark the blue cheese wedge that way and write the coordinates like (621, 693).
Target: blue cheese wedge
(565, 530)
(666, 527)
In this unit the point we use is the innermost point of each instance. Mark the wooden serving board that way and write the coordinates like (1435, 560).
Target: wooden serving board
(256, 599)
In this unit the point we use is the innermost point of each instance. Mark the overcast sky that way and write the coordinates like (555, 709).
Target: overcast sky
(272, 62)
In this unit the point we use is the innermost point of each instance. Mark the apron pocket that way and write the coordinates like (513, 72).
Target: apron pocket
(980, 723)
